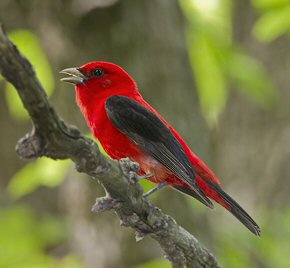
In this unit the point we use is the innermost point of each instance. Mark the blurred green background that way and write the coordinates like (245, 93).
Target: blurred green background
(218, 70)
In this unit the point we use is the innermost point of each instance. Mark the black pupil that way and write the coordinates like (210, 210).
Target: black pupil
(98, 72)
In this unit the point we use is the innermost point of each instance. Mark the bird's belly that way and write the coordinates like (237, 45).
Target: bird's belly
(149, 165)
(118, 146)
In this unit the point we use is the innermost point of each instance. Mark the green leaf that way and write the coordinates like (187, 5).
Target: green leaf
(17, 224)
(205, 46)
(159, 263)
(210, 79)
(29, 45)
(44, 171)
(286, 221)
(251, 79)
(232, 256)
(272, 24)
(25, 238)
(52, 230)
(269, 4)
(69, 261)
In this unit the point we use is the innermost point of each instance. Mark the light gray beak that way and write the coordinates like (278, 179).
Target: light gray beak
(75, 76)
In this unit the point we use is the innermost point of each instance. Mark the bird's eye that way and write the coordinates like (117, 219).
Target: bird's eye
(98, 72)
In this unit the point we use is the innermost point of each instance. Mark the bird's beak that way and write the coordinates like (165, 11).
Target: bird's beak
(75, 76)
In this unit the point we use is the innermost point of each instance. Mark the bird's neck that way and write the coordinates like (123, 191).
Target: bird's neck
(93, 106)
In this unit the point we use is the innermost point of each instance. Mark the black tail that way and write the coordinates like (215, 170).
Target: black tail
(233, 206)
(237, 210)
(190, 192)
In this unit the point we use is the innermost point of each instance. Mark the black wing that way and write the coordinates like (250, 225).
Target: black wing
(146, 130)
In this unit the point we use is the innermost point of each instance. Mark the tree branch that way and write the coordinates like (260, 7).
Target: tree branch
(52, 137)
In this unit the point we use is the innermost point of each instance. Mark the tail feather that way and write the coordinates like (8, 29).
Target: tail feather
(190, 192)
(229, 203)
(236, 209)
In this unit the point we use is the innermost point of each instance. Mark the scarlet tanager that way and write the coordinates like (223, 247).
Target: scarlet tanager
(127, 126)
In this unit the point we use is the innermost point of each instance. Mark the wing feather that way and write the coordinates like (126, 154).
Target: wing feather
(150, 133)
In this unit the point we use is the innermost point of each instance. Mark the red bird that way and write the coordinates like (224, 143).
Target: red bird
(127, 126)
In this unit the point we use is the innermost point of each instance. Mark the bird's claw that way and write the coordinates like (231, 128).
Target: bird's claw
(149, 203)
(158, 187)
(145, 176)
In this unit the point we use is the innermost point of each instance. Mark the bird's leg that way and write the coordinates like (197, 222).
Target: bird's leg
(145, 176)
(158, 187)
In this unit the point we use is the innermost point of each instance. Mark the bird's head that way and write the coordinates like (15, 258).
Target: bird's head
(99, 79)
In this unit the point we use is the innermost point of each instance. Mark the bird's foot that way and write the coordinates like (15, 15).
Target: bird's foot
(145, 176)
(150, 204)
(158, 187)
